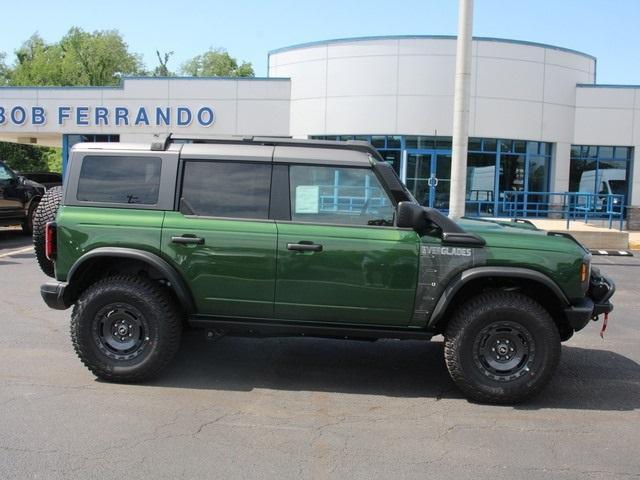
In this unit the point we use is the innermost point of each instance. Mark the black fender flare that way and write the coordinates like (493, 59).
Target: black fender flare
(467, 276)
(178, 284)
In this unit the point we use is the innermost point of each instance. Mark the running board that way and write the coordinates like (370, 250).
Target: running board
(216, 327)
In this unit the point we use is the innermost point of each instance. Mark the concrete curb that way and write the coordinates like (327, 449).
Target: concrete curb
(605, 240)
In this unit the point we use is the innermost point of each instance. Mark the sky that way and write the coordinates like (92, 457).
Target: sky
(606, 29)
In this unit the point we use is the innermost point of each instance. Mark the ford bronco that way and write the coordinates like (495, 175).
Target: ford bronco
(280, 237)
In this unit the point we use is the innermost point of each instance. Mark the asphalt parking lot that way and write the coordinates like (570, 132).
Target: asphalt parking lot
(306, 408)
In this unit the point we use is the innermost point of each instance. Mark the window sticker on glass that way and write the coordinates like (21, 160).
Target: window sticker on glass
(307, 199)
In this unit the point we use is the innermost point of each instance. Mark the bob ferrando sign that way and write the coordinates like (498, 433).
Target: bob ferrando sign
(105, 116)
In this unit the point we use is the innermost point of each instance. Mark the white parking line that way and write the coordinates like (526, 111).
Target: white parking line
(22, 250)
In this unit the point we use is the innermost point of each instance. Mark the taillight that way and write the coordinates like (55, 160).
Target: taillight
(50, 241)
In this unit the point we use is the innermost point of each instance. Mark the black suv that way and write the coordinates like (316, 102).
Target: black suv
(19, 198)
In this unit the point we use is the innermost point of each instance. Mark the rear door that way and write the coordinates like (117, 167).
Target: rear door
(221, 238)
(340, 259)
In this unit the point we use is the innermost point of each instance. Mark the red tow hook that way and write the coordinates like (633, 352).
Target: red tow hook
(604, 325)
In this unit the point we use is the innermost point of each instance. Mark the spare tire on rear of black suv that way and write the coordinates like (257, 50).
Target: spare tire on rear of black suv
(46, 212)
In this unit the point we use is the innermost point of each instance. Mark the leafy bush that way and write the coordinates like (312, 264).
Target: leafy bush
(31, 158)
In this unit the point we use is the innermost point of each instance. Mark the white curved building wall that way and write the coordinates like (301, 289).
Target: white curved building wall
(404, 86)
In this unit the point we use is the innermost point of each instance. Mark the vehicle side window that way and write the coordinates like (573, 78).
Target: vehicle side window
(119, 179)
(5, 173)
(343, 196)
(226, 189)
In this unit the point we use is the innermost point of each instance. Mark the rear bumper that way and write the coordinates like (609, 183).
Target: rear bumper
(53, 295)
(598, 302)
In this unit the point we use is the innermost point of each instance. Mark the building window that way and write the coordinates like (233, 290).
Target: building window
(389, 147)
(600, 170)
(73, 139)
(494, 168)
(481, 175)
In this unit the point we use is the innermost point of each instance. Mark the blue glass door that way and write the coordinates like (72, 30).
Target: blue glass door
(428, 177)
(419, 175)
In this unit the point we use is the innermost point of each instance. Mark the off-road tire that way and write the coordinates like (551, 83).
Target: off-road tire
(45, 212)
(466, 331)
(27, 223)
(148, 299)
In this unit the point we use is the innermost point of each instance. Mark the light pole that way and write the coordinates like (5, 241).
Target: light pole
(461, 101)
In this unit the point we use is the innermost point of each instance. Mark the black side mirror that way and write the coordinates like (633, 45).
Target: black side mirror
(410, 215)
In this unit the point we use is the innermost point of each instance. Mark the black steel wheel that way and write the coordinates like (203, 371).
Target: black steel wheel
(120, 331)
(501, 347)
(126, 328)
(504, 351)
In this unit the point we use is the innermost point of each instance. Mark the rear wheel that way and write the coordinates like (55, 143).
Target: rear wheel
(126, 328)
(45, 212)
(501, 347)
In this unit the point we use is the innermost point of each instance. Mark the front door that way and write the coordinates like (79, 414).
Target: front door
(340, 259)
(428, 177)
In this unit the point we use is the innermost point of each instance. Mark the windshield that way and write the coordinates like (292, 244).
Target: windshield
(5, 172)
(618, 187)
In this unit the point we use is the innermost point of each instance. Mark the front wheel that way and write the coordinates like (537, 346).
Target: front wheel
(126, 328)
(501, 347)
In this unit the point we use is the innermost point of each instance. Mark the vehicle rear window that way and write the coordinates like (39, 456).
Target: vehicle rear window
(226, 189)
(121, 179)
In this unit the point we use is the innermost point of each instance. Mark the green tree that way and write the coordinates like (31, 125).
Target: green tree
(24, 158)
(38, 64)
(4, 70)
(53, 157)
(99, 58)
(162, 70)
(216, 62)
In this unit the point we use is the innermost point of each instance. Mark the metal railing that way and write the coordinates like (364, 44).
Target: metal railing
(570, 206)
(349, 199)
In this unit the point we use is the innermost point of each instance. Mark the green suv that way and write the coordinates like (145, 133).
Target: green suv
(280, 237)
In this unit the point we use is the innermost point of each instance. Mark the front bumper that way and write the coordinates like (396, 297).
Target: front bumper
(53, 295)
(597, 301)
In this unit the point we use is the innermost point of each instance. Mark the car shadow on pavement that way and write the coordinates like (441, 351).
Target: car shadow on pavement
(586, 378)
(11, 238)
(591, 379)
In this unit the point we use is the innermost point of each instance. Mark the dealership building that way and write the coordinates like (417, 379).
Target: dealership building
(539, 121)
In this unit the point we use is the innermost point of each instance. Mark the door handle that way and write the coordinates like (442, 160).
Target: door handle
(304, 247)
(184, 240)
